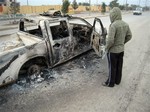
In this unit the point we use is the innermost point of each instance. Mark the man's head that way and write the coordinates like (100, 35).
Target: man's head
(115, 14)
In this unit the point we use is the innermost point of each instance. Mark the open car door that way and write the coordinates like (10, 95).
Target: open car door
(98, 38)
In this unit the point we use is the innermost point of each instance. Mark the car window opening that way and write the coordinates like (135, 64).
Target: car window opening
(59, 30)
(31, 28)
(81, 33)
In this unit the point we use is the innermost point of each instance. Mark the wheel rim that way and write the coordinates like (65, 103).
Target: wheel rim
(34, 69)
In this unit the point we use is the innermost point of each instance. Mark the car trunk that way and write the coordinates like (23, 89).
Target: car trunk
(10, 42)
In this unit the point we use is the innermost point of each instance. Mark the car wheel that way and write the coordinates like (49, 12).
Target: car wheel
(34, 69)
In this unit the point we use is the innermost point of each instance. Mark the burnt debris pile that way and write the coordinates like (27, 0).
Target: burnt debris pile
(83, 62)
(45, 75)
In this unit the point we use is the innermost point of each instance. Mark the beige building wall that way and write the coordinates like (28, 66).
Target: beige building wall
(83, 8)
(41, 9)
(5, 10)
(38, 9)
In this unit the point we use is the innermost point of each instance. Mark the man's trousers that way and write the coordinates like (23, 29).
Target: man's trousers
(115, 62)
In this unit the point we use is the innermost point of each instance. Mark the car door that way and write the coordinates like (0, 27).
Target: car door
(60, 41)
(98, 37)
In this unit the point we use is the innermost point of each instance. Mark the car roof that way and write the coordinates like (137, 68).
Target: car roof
(38, 18)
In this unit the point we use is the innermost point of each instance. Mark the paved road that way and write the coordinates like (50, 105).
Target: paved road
(78, 87)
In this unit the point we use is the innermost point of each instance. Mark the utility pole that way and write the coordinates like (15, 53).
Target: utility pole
(126, 4)
(145, 3)
(89, 7)
(139, 2)
(97, 4)
(27, 2)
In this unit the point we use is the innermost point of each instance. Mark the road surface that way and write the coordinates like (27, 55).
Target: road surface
(77, 84)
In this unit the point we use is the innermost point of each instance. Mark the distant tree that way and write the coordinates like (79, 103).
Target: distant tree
(122, 7)
(146, 8)
(74, 5)
(80, 3)
(114, 4)
(134, 7)
(84, 4)
(127, 7)
(14, 8)
(87, 8)
(65, 6)
(103, 7)
(52, 9)
(130, 7)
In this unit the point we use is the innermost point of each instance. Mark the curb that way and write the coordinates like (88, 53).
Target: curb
(103, 15)
(8, 28)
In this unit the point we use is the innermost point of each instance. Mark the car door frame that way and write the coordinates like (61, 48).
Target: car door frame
(98, 41)
(52, 42)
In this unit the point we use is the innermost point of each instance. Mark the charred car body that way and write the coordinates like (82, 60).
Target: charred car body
(46, 42)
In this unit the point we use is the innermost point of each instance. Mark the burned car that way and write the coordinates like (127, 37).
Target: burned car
(46, 42)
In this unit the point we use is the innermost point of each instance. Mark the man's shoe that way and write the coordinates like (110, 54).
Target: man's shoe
(107, 85)
(111, 85)
(117, 83)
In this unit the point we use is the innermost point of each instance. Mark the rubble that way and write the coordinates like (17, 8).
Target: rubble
(2, 100)
(45, 75)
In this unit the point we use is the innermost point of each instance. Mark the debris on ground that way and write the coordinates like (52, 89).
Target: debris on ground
(45, 75)
(2, 100)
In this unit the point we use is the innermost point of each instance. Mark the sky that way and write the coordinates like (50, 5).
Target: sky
(93, 2)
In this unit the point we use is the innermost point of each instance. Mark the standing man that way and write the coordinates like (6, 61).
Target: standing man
(119, 34)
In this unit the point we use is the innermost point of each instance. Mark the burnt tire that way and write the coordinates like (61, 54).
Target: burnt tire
(34, 69)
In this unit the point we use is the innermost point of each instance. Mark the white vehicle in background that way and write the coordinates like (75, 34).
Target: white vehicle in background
(138, 11)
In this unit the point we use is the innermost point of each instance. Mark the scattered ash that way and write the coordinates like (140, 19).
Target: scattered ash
(73, 73)
(87, 62)
(2, 100)
(34, 80)
(83, 62)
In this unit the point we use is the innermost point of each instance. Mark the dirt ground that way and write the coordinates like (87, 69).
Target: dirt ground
(76, 85)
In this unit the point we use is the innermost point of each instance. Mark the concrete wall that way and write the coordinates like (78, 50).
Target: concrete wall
(5, 10)
(1, 9)
(40, 9)
(37, 9)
